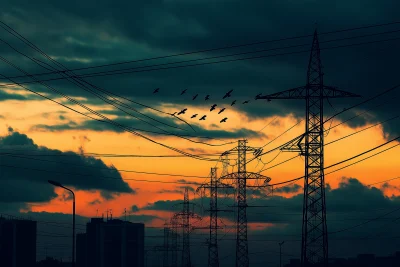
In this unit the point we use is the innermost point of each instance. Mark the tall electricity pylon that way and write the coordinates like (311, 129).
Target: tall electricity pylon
(166, 246)
(185, 215)
(314, 248)
(241, 177)
(174, 242)
(214, 185)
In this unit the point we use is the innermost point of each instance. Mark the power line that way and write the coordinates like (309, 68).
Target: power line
(212, 49)
(343, 161)
(104, 99)
(127, 129)
(209, 63)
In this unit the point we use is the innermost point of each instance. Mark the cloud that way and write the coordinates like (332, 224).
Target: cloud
(288, 189)
(95, 202)
(24, 177)
(281, 218)
(163, 28)
(148, 129)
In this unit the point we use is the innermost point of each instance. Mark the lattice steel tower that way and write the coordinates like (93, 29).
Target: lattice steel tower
(214, 185)
(185, 216)
(186, 231)
(166, 246)
(213, 243)
(174, 242)
(314, 249)
(241, 177)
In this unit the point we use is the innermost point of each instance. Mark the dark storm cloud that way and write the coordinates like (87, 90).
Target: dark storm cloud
(11, 96)
(152, 125)
(153, 28)
(346, 208)
(24, 176)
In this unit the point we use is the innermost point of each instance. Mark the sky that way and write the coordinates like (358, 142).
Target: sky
(46, 132)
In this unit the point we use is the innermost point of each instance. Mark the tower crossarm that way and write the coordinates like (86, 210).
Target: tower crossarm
(301, 93)
(249, 176)
(295, 145)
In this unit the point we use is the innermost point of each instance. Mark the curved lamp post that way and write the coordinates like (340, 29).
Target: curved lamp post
(73, 217)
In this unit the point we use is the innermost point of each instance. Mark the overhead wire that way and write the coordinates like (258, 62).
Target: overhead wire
(108, 101)
(128, 129)
(210, 63)
(213, 49)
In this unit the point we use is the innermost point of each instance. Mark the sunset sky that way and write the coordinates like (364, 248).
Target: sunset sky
(43, 140)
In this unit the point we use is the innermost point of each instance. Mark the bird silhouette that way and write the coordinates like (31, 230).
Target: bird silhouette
(184, 91)
(182, 111)
(233, 103)
(222, 110)
(257, 96)
(194, 116)
(195, 97)
(207, 97)
(227, 94)
(203, 118)
(156, 90)
(245, 102)
(223, 120)
(213, 107)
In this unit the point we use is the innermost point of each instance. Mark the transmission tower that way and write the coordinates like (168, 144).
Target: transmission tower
(166, 246)
(214, 185)
(174, 242)
(241, 177)
(185, 215)
(314, 248)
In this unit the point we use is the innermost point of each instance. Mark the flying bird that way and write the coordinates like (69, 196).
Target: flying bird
(227, 94)
(195, 97)
(257, 96)
(184, 91)
(207, 97)
(156, 90)
(233, 103)
(203, 118)
(213, 107)
(182, 111)
(223, 120)
(245, 102)
(222, 110)
(194, 116)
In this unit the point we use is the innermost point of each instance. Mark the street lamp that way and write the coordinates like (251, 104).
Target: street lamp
(280, 253)
(73, 217)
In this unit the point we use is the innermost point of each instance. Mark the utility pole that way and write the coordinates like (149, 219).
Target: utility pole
(241, 177)
(314, 246)
(185, 215)
(280, 253)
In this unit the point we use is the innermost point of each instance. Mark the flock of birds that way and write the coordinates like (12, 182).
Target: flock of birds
(213, 107)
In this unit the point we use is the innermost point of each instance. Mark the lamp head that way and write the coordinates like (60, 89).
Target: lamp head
(55, 183)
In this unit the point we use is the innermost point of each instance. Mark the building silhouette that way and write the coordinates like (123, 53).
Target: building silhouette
(17, 242)
(51, 262)
(111, 243)
(81, 250)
